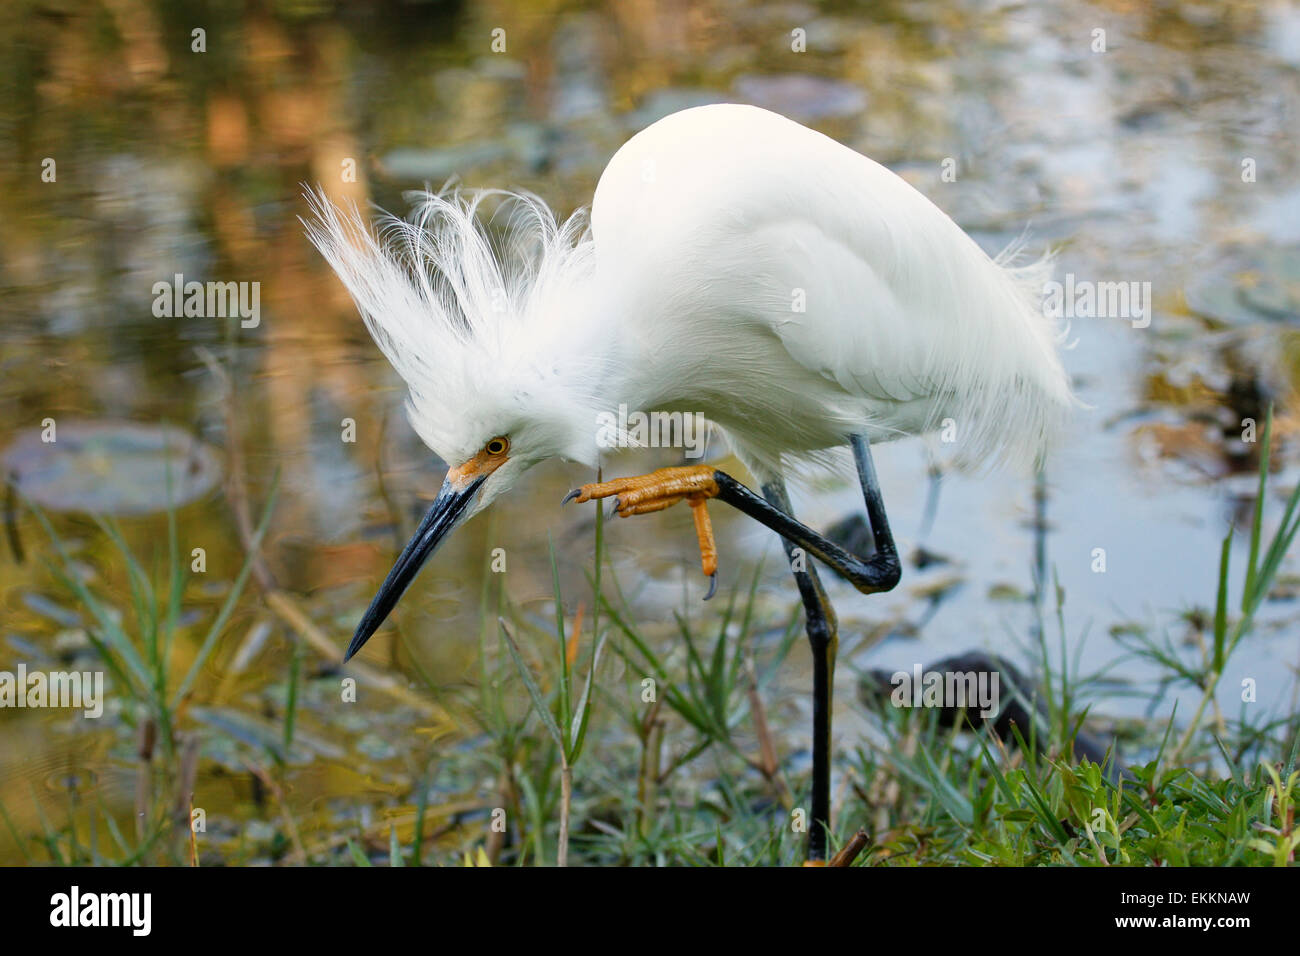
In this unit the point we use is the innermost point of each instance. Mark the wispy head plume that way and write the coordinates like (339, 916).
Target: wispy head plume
(458, 297)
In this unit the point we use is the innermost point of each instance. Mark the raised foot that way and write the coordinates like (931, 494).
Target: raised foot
(643, 494)
(653, 492)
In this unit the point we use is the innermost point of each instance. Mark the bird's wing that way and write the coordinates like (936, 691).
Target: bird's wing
(749, 216)
(840, 317)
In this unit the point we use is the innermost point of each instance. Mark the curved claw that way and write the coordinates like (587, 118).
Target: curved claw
(713, 585)
(570, 496)
(614, 506)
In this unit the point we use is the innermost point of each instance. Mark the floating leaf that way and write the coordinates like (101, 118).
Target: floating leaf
(110, 468)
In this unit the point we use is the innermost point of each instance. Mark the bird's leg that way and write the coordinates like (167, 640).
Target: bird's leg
(643, 494)
(708, 547)
(880, 572)
(823, 638)
(652, 492)
(664, 488)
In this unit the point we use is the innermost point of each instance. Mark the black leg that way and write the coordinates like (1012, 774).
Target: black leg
(823, 638)
(880, 572)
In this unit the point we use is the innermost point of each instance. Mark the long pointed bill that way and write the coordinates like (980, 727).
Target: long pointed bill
(448, 510)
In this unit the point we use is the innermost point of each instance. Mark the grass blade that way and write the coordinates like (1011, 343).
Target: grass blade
(539, 703)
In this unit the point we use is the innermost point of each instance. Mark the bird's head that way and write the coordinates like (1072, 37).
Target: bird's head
(476, 321)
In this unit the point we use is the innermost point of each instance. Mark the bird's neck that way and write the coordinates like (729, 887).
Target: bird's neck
(610, 350)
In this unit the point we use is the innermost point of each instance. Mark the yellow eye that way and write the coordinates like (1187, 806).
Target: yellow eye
(497, 446)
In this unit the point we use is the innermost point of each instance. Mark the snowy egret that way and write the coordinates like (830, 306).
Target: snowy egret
(798, 295)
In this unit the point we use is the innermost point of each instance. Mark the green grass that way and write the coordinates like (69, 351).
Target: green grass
(135, 636)
(681, 776)
(629, 741)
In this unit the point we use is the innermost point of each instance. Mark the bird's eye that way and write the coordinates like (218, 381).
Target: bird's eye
(497, 446)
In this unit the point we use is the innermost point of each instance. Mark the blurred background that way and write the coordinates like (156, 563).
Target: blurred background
(1168, 156)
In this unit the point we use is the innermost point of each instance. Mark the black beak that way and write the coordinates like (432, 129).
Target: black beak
(446, 513)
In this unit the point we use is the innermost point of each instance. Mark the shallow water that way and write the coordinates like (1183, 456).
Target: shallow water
(1128, 161)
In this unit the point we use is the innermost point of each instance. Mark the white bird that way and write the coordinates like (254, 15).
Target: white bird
(738, 265)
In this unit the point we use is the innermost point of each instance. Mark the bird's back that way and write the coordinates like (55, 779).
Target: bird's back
(766, 242)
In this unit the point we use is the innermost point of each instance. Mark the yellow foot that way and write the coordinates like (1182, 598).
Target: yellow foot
(662, 489)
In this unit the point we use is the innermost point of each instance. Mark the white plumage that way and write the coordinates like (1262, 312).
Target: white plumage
(738, 265)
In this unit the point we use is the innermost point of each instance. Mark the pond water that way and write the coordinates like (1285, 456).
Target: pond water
(1160, 153)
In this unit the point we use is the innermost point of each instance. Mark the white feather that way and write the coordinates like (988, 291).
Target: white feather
(465, 307)
(709, 229)
(729, 212)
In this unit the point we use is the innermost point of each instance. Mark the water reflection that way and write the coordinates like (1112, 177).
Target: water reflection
(129, 158)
